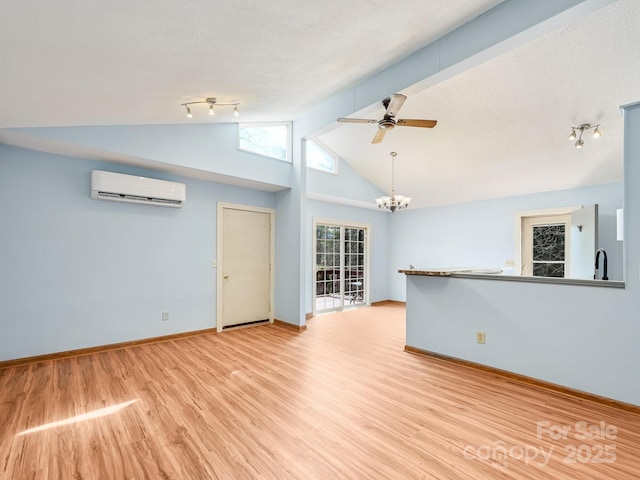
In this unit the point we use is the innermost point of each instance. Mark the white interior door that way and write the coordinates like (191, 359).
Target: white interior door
(244, 267)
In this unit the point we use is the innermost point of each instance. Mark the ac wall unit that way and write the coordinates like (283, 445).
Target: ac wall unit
(118, 187)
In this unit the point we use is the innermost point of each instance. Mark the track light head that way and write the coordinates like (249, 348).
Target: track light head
(596, 132)
(189, 114)
(572, 136)
(579, 143)
(211, 110)
(236, 113)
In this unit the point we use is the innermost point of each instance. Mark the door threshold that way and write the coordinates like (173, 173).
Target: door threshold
(245, 325)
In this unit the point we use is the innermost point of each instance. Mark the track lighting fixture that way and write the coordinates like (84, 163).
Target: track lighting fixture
(583, 128)
(212, 102)
(394, 202)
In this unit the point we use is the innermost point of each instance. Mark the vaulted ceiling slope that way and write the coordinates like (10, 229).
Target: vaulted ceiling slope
(122, 62)
(503, 126)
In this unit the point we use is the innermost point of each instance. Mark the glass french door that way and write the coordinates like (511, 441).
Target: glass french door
(340, 253)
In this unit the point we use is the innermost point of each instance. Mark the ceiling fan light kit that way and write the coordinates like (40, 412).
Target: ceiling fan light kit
(392, 106)
(581, 129)
(394, 202)
(212, 101)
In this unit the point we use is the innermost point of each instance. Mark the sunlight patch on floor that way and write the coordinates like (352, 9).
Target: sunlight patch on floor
(102, 412)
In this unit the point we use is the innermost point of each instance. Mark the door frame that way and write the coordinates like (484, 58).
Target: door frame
(367, 259)
(220, 255)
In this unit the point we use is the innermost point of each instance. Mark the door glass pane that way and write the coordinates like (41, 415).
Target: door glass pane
(549, 250)
(548, 270)
(548, 243)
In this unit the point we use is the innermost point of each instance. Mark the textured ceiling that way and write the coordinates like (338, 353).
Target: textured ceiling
(503, 125)
(91, 62)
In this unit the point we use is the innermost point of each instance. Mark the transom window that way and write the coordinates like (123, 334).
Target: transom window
(319, 158)
(268, 139)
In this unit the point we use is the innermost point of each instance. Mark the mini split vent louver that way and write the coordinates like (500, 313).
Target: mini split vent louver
(118, 187)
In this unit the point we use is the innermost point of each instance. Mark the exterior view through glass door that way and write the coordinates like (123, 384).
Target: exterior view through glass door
(341, 267)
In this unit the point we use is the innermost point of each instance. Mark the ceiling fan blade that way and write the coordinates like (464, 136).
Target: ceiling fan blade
(377, 138)
(395, 104)
(356, 120)
(416, 123)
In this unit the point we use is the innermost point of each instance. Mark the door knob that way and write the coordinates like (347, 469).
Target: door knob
(226, 276)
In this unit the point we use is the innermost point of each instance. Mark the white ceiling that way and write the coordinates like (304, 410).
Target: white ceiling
(91, 62)
(502, 126)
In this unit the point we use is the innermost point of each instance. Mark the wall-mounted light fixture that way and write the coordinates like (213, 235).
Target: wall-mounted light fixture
(211, 101)
(581, 129)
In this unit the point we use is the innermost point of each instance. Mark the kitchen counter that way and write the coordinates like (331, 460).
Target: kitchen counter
(448, 271)
(496, 273)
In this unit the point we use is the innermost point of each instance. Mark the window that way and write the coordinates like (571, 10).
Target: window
(545, 242)
(319, 157)
(268, 139)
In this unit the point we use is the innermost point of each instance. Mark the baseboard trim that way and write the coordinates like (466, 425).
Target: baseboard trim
(554, 387)
(387, 302)
(309, 315)
(290, 326)
(19, 362)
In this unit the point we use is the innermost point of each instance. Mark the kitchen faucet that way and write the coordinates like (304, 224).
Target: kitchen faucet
(604, 272)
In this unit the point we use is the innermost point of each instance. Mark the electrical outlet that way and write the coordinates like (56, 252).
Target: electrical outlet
(165, 316)
(214, 264)
(510, 263)
(480, 337)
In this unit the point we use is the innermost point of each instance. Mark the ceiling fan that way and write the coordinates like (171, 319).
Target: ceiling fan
(392, 105)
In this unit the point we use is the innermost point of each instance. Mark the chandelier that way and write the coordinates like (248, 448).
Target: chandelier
(394, 202)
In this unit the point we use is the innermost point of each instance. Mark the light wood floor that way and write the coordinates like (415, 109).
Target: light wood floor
(339, 401)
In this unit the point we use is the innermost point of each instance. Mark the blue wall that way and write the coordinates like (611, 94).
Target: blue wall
(482, 234)
(201, 147)
(341, 188)
(347, 183)
(583, 337)
(78, 272)
(379, 247)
